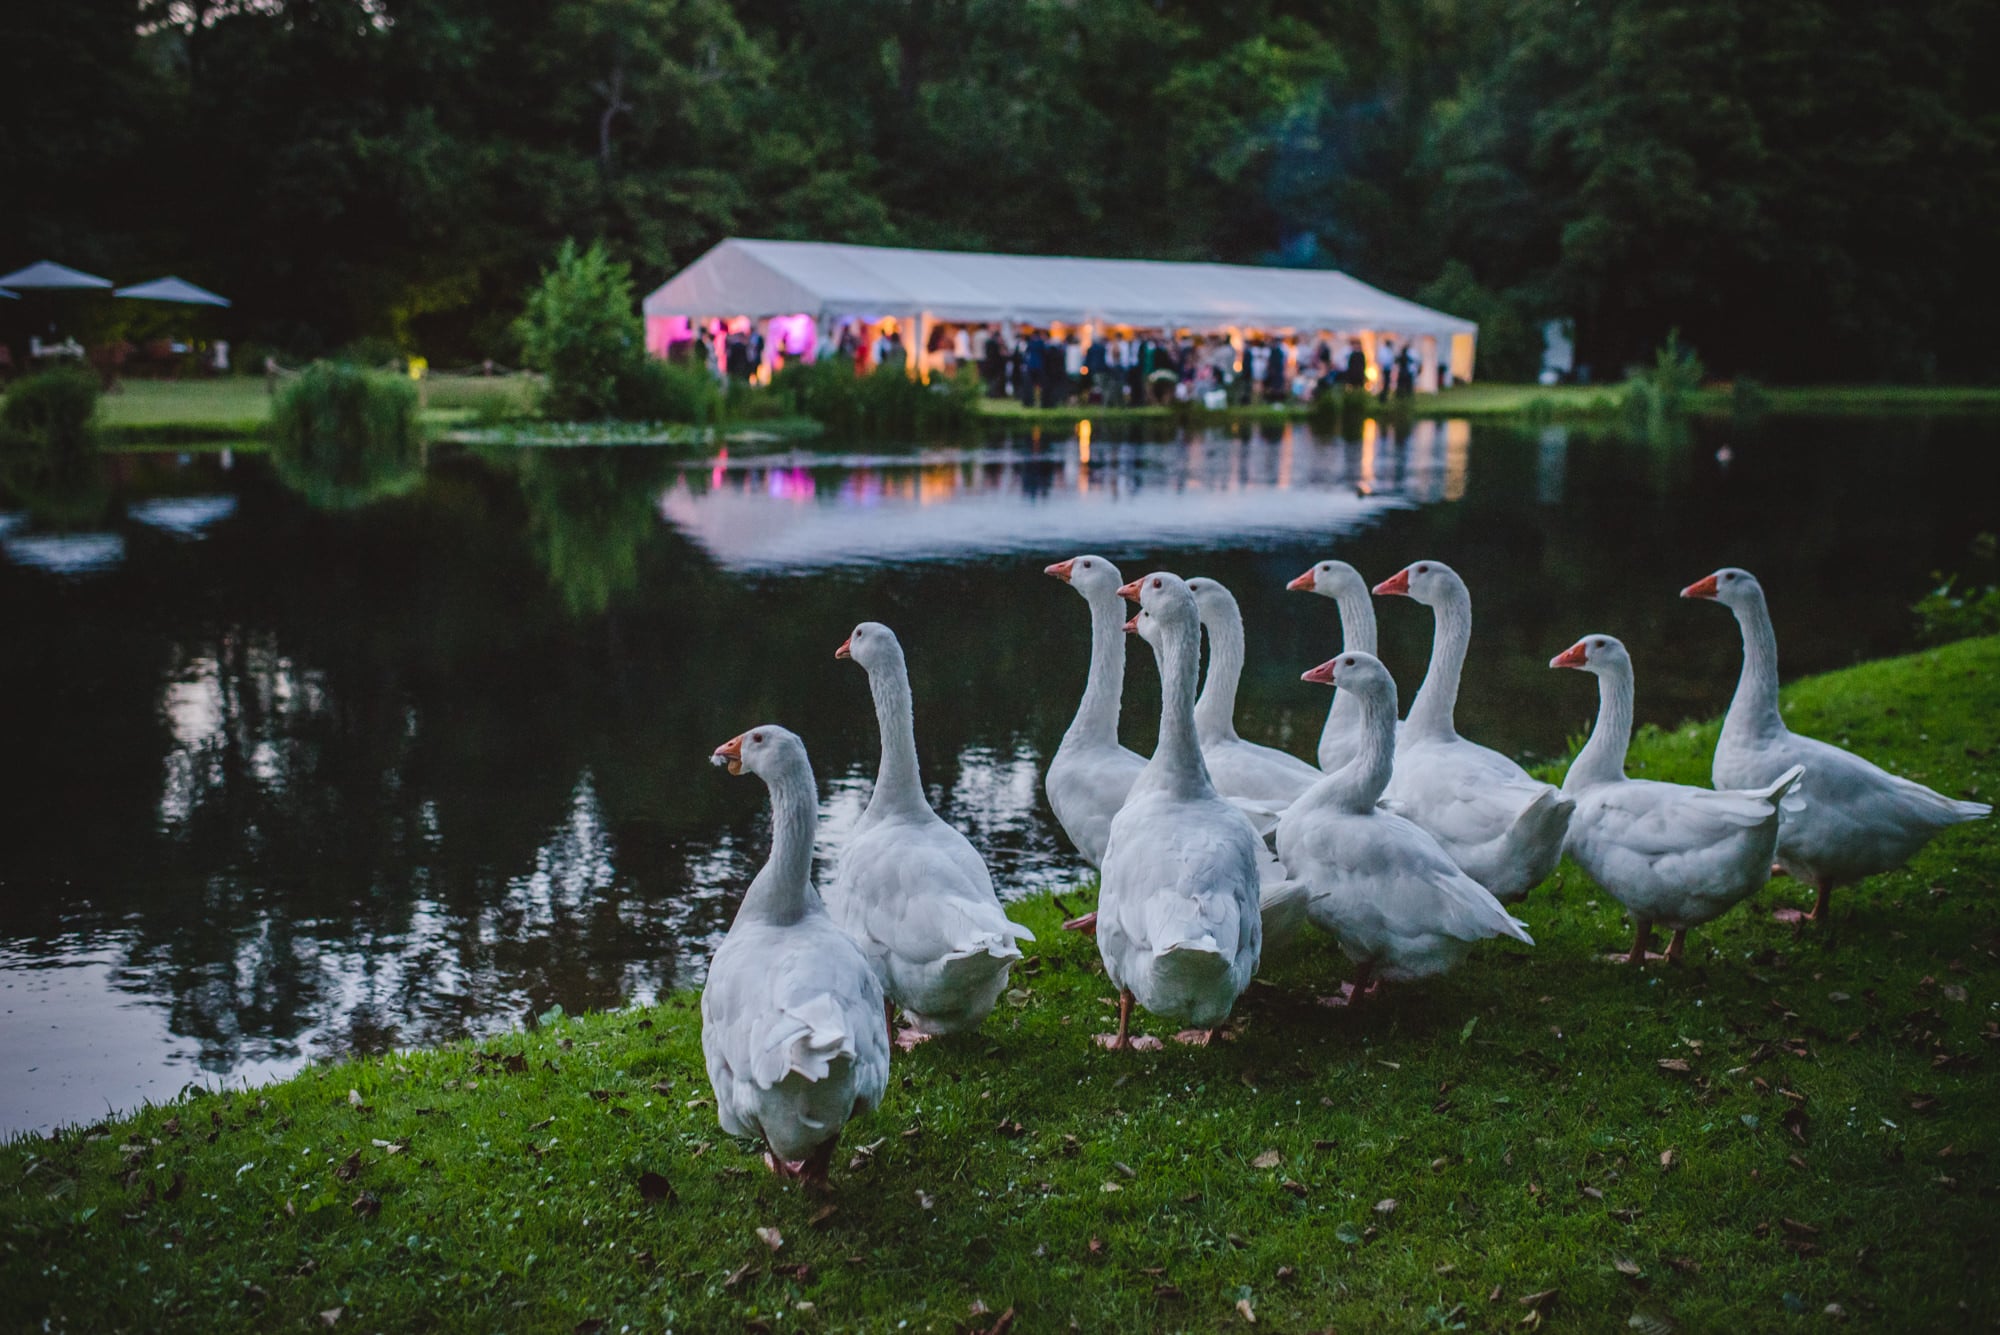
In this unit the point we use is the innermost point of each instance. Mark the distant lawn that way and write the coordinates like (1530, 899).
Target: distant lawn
(1788, 1129)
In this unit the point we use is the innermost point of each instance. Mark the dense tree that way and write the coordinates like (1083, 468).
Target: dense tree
(1804, 189)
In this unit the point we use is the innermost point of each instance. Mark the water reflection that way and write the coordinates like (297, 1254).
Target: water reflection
(330, 779)
(804, 511)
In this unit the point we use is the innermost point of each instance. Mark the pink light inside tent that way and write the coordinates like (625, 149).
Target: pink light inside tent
(663, 331)
(794, 335)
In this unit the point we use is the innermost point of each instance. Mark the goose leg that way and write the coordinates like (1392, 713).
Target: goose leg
(1677, 946)
(1086, 923)
(1122, 1040)
(1352, 993)
(1640, 940)
(889, 1018)
(1823, 889)
(816, 1165)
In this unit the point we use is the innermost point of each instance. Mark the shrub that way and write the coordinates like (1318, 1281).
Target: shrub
(883, 402)
(343, 436)
(1510, 343)
(582, 329)
(664, 391)
(1656, 397)
(1962, 606)
(48, 448)
(55, 410)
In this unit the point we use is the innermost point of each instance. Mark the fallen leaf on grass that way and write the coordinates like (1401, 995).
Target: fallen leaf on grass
(663, 1087)
(1167, 1291)
(1244, 1310)
(1669, 1157)
(1798, 1228)
(366, 1206)
(771, 1238)
(820, 1219)
(331, 1317)
(738, 1275)
(393, 1146)
(354, 1100)
(1677, 1065)
(1541, 1300)
(1297, 1189)
(655, 1187)
(924, 1200)
(1286, 1274)
(350, 1167)
(1627, 1267)
(1268, 1159)
(1386, 1205)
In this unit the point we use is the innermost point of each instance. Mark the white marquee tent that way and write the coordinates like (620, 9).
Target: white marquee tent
(828, 282)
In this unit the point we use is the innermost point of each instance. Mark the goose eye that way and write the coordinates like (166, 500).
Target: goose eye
(1423, 570)
(1157, 584)
(756, 736)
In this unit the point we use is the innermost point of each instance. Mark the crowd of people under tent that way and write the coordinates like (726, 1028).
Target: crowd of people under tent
(1051, 367)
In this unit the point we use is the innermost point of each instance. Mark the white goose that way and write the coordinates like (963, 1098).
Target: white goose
(1503, 827)
(1674, 856)
(1091, 773)
(911, 890)
(1858, 819)
(1398, 904)
(791, 1014)
(1236, 767)
(1341, 737)
(1178, 917)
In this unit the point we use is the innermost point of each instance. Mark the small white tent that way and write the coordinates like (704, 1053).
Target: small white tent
(763, 279)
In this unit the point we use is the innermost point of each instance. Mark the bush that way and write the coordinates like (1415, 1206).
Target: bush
(1656, 397)
(884, 402)
(48, 448)
(582, 329)
(662, 391)
(344, 436)
(1962, 606)
(54, 410)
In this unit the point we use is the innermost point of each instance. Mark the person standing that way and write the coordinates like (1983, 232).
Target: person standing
(1385, 362)
(1406, 372)
(1356, 374)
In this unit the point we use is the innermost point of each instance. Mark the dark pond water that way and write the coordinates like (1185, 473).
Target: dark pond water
(302, 766)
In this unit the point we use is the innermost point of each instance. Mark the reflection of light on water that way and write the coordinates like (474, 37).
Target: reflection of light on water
(575, 863)
(1083, 441)
(1368, 434)
(204, 709)
(1457, 451)
(65, 553)
(955, 503)
(183, 516)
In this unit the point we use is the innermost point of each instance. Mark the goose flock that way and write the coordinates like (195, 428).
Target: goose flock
(1405, 844)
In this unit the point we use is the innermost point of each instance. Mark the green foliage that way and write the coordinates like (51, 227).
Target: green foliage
(581, 329)
(1706, 1148)
(1962, 605)
(343, 436)
(56, 411)
(671, 391)
(884, 402)
(1510, 344)
(48, 447)
(1658, 397)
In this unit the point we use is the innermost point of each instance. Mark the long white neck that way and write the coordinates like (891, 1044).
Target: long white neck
(1357, 634)
(1177, 766)
(1437, 699)
(1754, 711)
(1357, 786)
(783, 891)
(898, 786)
(1215, 712)
(1096, 721)
(1602, 759)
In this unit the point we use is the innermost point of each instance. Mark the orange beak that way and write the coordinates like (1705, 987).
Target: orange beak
(1396, 583)
(1570, 657)
(1132, 626)
(1701, 588)
(1060, 570)
(845, 650)
(1303, 584)
(732, 752)
(1130, 591)
(1321, 675)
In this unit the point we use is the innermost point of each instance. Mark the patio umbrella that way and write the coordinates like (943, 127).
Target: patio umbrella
(10, 296)
(50, 276)
(172, 289)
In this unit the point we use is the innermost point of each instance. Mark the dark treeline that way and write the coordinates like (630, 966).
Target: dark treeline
(1806, 190)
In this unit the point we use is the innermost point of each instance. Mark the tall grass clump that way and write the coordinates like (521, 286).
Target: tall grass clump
(581, 328)
(1657, 397)
(343, 436)
(881, 402)
(48, 446)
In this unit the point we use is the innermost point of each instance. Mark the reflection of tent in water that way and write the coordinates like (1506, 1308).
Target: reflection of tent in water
(801, 291)
(777, 514)
(65, 553)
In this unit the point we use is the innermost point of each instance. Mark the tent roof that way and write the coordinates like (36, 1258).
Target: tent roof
(172, 289)
(760, 278)
(49, 274)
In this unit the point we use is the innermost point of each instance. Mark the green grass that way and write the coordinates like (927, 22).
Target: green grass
(1865, 399)
(1825, 1136)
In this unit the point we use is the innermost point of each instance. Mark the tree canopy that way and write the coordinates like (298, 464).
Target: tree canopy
(1804, 190)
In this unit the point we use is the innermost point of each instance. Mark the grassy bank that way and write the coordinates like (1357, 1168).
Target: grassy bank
(1787, 1126)
(1476, 400)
